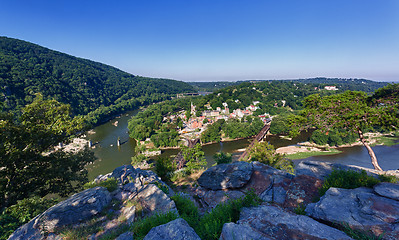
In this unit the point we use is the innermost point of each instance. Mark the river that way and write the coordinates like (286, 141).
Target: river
(110, 156)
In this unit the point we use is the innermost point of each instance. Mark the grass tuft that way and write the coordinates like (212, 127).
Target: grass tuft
(110, 184)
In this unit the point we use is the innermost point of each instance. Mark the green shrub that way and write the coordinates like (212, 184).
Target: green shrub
(164, 168)
(388, 178)
(347, 179)
(211, 224)
(222, 157)
(22, 212)
(187, 209)
(264, 152)
(138, 159)
(111, 184)
(143, 226)
(163, 187)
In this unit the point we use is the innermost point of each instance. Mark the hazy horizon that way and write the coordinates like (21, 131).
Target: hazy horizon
(218, 40)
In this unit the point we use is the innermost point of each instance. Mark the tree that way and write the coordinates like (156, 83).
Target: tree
(194, 157)
(349, 111)
(264, 152)
(29, 165)
(222, 157)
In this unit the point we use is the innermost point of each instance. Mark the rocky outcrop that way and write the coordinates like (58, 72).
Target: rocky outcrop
(389, 190)
(270, 184)
(141, 193)
(226, 176)
(271, 222)
(79, 207)
(360, 208)
(154, 200)
(174, 230)
(322, 169)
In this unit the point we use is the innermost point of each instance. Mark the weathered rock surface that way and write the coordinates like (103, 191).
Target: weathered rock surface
(125, 236)
(271, 222)
(75, 209)
(212, 198)
(174, 230)
(360, 208)
(241, 232)
(226, 176)
(322, 169)
(154, 200)
(270, 184)
(389, 190)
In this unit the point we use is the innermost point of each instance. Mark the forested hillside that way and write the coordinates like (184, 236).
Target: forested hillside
(344, 84)
(27, 69)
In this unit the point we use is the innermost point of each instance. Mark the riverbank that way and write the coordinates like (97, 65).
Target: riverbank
(301, 152)
(308, 149)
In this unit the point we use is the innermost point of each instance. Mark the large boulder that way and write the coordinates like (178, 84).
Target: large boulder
(76, 209)
(241, 232)
(322, 169)
(211, 198)
(153, 199)
(389, 190)
(174, 230)
(271, 222)
(226, 176)
(360, 208)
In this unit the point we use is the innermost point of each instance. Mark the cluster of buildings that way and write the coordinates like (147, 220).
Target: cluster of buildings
(194, 126)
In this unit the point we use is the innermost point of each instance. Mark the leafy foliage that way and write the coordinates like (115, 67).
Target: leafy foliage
(264, 152)
(194, 157)
(164, 167)
(28, 164)
(110, 184)
(143, 226)
(222, 157)
(149, 123)
(349, 112)
(90, 87)
(22, 212)
(347, 179)
(187, 209)
(209, 226)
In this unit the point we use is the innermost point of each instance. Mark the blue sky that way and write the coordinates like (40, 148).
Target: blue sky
(220, 39)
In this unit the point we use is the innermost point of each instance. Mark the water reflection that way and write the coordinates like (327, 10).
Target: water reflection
(110, 156)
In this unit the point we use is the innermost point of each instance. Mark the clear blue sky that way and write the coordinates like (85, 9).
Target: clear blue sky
(220, 39)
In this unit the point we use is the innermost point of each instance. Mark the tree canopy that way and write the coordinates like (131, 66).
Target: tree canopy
(29, 165)
(350, 111)
(89, 87)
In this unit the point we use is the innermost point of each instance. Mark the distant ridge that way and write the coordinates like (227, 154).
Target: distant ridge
(27, 69)
(353, 84)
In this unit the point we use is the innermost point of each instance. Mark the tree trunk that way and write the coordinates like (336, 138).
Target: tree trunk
(374, 160)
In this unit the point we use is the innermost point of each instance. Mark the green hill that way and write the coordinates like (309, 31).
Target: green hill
(89, 87)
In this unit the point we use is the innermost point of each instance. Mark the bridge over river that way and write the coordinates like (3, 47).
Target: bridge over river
(180, 161)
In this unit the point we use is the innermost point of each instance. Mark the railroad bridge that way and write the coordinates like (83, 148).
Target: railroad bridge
(257, 139)
(180, 161)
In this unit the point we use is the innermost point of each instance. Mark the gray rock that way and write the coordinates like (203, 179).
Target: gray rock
(212, 198)
(322, 169)
(275, 223)
(154, 200)
(174, 230)
(241, 232)
(389, 190)
(125, 236)
(75, 209)
(360, 208)
(128, 213)
(122, 173)
(226, 176)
